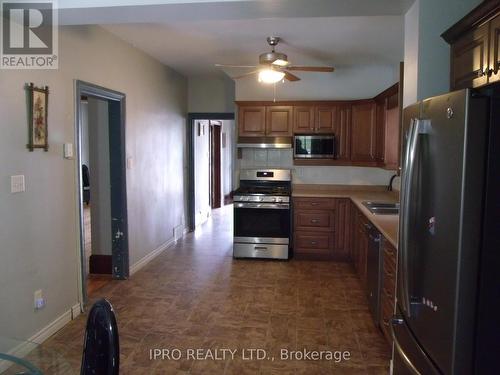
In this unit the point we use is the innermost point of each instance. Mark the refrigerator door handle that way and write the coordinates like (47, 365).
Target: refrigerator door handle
(398, 347)
(409, 159)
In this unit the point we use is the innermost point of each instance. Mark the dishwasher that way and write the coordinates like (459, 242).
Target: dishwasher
(374, 269)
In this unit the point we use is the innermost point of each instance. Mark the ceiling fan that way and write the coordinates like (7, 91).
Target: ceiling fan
(274, 66)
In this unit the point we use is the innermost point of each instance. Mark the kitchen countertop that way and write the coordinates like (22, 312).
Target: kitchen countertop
(386, 224)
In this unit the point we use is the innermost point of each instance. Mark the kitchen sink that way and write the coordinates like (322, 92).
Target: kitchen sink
(382, 208)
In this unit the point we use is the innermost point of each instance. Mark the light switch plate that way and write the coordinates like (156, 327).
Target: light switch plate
(68, 151)
(17, 184)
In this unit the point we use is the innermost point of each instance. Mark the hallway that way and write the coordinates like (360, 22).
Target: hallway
(194, 295)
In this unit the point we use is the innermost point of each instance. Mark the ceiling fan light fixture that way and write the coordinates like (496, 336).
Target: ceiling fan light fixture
(280, 62)
(270, 76)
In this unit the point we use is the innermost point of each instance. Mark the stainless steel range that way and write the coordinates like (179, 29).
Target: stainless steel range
(262, 214)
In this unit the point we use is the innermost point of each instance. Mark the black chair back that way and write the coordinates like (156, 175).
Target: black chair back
(101, 351)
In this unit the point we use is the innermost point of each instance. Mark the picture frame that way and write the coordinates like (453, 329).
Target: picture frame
(38, 101)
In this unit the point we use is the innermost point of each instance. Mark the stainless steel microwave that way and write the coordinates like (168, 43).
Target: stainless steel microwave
(313, 146)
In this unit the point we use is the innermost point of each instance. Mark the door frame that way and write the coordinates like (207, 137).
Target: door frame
(117, 101)
(215, 128)
(190, 132)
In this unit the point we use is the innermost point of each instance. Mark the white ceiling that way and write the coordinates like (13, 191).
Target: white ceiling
(191, 37)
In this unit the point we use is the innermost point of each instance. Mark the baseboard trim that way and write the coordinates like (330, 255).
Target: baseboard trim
(76, 310)
(152, 255)
(51, 328)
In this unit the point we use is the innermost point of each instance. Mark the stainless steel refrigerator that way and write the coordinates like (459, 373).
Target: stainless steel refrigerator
(448, 276)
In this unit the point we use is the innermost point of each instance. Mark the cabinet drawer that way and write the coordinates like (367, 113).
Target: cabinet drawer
(312, 242)
(314, 220)
(314, 203)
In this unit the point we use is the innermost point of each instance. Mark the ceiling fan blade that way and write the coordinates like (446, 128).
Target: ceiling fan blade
(234, 66)
(291, 77)
(326, 69)
(245, 75)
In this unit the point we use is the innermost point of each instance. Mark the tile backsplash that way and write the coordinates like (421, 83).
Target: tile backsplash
(283, 158)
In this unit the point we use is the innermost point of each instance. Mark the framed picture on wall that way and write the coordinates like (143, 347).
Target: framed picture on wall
(38, 99)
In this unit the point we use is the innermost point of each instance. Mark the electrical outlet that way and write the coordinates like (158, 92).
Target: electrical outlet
(39, 301)
(17, 184)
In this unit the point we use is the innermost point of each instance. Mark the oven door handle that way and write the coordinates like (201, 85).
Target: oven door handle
(272, 206)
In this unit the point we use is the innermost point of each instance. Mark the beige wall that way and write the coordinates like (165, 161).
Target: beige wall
(211, 94)
(38, 234)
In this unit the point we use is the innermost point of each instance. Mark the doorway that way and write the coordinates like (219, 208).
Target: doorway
(101, 167)
(211, 152)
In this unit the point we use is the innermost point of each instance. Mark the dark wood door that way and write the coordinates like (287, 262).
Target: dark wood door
(279, 121)
(363, 132)
(326, 118)
(469, 59)
(303, 119)
(252, 121)
(342, 133)
(117, 163)
(494, 64)
(215, 166)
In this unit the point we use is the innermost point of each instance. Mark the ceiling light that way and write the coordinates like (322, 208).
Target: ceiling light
(280, 62)
(270, 76)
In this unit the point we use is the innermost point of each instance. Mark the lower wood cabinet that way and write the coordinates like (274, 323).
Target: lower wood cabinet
(320, 230)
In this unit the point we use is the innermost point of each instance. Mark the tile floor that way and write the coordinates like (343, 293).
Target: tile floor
(195, 295)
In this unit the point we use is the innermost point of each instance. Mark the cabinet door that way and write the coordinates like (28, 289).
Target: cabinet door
(342, 133)
(392, 137)
(381, 119)
(252, 121)
(303, 119)
(495, 49)
(469, 59)
(326, 117)
(363, 132)
(279, 121)
(342, 232)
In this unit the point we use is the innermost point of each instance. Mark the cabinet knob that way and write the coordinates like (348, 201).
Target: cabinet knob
(314, 243)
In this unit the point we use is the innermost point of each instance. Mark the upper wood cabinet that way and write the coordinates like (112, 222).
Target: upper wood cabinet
(388, 128)
(262, 120)
(252, 121)
(315, 119)
(279, 121)
(474, 44)
(342, 132)
(469, 59)
(303, 119)
(363, 132)
(495, 49)
(326, 118)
